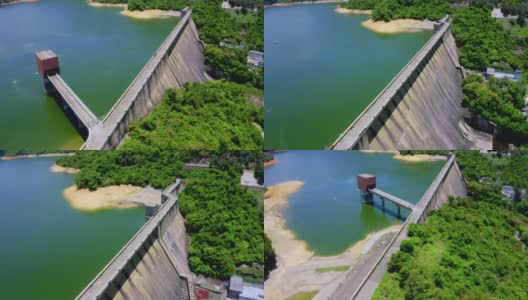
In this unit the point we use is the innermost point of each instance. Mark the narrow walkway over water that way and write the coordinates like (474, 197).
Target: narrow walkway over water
(80, 109)
(393, 199)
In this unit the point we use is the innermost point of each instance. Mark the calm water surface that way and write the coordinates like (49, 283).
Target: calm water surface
(49, 250)
(100, 53)
(322, 70)
(327, 211)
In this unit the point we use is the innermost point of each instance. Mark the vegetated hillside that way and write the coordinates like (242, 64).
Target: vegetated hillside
(211, 115)
(471, 248)
(466, 250)
(499, 101)
(225, 224)
(223, 219)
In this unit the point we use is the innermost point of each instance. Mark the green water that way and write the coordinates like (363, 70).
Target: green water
(327, 211)
(49, 250)
(100, 52)
(322, 70)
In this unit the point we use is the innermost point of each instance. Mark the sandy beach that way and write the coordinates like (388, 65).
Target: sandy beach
(420, 157)
(395, 26)
(296, 264)
(99, 4)
(342, 10)
(137, 14)
(59, 169)
(151, 14)
(270, 162)
(119, 196)
(410, 158)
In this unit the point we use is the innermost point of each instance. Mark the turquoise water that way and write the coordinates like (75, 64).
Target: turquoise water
(100, 53)
(49, 250)
(327, 211)
(322, 71)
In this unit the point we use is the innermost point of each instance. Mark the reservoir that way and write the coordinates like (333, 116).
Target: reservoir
(49, 250)
(327, 211)
(322, 70)
(100, 53)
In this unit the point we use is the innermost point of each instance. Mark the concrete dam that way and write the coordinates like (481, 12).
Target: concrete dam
(177, 61)
(448, 182)
(153, 264)
(421, 107)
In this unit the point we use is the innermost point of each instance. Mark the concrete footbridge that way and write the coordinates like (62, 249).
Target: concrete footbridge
(177, 61)
(367, 187)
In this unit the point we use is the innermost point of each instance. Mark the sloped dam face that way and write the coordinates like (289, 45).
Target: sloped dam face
(420, 108)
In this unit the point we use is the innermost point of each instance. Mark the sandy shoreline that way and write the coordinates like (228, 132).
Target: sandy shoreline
(59, 169)
(395, 26)
(420, 157)
(36, 155)
(151, 14)
(18, 1)
(408, 157)
(117, 196)
(270, 162)
(342, 10)
(137, 14)
(296, 264)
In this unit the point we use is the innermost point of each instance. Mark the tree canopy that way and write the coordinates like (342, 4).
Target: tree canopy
(210, 115)
(465, 250)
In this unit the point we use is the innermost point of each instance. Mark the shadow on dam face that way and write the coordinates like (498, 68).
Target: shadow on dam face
(420, 108)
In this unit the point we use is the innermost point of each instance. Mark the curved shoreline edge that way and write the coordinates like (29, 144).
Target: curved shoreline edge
(293, 253)
(137, 14)
(18, 1)
(408, 157)
(13, 157)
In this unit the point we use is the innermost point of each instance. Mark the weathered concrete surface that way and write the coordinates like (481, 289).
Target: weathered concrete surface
(178, 60)
(420, 108)
(153, 264)
(448, 182)
(85, 120)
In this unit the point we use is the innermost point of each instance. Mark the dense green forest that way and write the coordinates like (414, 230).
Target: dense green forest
(223, 219)
(499, 101)
(465, 250)
(224, 223)
(239, 31)
(471, 248)
(210, 115)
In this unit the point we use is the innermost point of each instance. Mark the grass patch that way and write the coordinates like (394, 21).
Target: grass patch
(303, 295)
(332, 269)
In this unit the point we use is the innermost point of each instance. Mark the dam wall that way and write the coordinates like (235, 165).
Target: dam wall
(153, 264)
(448, 182)
(420, 108)
(178, 60)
